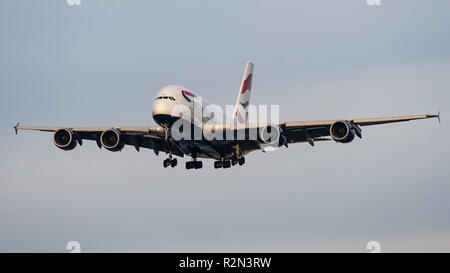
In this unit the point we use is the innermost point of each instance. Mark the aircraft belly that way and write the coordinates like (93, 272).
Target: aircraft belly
(204, 149)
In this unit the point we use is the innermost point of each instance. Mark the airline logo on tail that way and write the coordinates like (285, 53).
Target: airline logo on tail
(246, 87)
(187, 95)
(243, 100)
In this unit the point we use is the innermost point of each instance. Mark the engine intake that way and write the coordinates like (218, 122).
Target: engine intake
(342, 131)
(272, 135)
(112, 140)
(65, 139)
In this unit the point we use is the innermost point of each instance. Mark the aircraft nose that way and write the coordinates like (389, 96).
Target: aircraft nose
(162, 112)
(161, 108)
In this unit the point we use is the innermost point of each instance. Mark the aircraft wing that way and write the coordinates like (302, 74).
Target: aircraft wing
(304, 131)
(151, 137)
(315, 130)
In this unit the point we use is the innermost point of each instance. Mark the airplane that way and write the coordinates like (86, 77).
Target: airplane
(226, 152)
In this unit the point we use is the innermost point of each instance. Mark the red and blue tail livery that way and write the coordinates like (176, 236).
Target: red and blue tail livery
(188, 95)
(243, 99)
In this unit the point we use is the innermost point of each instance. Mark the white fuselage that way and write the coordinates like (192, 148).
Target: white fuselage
(166, 110)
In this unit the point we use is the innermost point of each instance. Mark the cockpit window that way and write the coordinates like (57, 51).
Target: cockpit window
(165, 98)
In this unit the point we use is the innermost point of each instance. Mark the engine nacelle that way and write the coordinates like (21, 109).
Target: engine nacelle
(112, 140)
(272, 135)
(65, 139)
(342, 131)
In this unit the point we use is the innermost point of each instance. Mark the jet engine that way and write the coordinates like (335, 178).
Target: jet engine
(65, 139)
(272, 135)
(112, 140)
(342, 131)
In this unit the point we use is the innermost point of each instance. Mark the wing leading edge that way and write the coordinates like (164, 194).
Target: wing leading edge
(306, 130)
(311, 131)
(151, 137)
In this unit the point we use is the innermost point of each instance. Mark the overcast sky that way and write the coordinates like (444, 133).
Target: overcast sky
(101, 64)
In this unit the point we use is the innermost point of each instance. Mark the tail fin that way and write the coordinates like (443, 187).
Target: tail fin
(243, 99)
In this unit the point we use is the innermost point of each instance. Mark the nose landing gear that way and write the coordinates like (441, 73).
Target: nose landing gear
(170, 162)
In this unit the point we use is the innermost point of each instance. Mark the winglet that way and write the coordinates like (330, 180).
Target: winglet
(438, 116)
(15, 127)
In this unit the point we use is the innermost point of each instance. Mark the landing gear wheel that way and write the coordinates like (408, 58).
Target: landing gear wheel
(198, 164)
(241, 161)
(173, 162)
(194, 165)
(217, 164)
(189, 165)
(226, 164)
(166, 163)
(234, 162)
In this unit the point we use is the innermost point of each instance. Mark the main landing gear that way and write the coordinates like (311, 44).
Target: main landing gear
(194, 164)
(228, 163)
